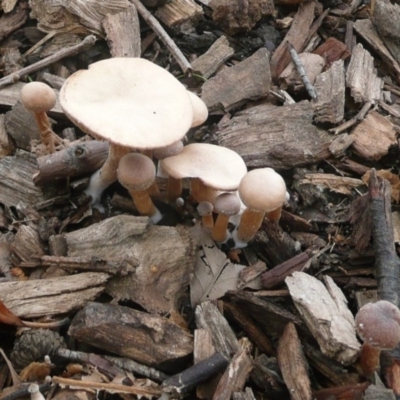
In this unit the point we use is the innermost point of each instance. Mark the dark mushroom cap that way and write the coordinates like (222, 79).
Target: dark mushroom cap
(378, 324)
(38, 97)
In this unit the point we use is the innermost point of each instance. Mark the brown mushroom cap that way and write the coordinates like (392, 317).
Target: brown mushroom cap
(38, 97)
(227, 203)
(128, 101)
(205, 208)
(168, 151)
(216, 166)
(378, 324)
(262, 189)
(136, 171)
(200, 111)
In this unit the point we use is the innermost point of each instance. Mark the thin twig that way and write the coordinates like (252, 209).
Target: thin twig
(86, 43)
(359, 117)
(163, 35)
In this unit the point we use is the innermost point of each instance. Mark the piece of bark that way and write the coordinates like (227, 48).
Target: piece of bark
(332, 50)
(246, 395)
(361, 77)
(49, 297)
(209, 317)
(213, 58)
(339, 146)
(345, 392)
(235, 376)
(330, 100)
(280, 137)
(324, 309)
(231, 87)
(6, 145)
(149, 339)
(123, 32)
(79, 159)
(366, 30)
(27, 244)
(11, 21)
(297, 36)
(165, 256)
(250, 276)
(374, 392)
(180, 15)
(11, 60)
(293, 364)
(374, 136)
(52, 80)
(235, 16)
(360, 219)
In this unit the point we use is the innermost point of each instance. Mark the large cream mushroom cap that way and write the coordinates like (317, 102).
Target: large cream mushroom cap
(200, 111)
(216, 166)
(128, 101)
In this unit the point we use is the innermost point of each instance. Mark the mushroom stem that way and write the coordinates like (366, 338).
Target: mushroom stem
(250, 223)
(174, 188)
(275, 215)
(143, 202)
(219, 233)
(46, 133)
(369, 359)
(107, 174)
(201, 192)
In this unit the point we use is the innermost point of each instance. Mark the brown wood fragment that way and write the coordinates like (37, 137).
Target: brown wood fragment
(6, 145)
(330, 100)
(222, 92)
(181, 15)
(361, 77)
(213, 58)
(246, 395)
(374, 136)
(27, 244)
(345, 392)
(277, 137)
(146, 338)
(339, 146)
(123, 32)
(39, 297)
(293, 365)
(332, 50)
(235, 376)
(11, 21)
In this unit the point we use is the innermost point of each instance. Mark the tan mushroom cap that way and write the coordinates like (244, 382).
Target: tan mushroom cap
(38, 97)
(262, 190)
(128, 101)
(227, 203)
(200, 111)
(216, 166)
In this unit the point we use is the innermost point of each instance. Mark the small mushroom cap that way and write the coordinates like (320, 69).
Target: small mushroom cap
(168, 151)
(262, 189)
(128, 101)
(200, 111)
(38, 97)
(217, 167)
(136, 172)
(227, 203)
(205, 208)
(378, 324)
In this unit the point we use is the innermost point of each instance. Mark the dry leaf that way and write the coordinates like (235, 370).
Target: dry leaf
(7, 317)
(36, 371)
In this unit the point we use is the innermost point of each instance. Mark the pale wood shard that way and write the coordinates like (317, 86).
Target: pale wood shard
(266, 134)
(213, 58)
(330, 88)
(235, 376)
(366, 30)
(27, 244)
(40, 297)
(223, 337)
(181, 15)
(148, 339)
(293, 364)
(231, 87)
(324, 310)
(14, 19)
(123, 32)
(339, 146)
(246, 395)
(374, 136)
(361, 77)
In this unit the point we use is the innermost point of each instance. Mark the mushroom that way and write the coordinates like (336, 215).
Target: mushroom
(200, 111)
(212, 168)
(34, 391)
(136, 173)
(38, 98)
(378, 325)
(205, 209)
(262, 191)
(225, 205)
(132, 103)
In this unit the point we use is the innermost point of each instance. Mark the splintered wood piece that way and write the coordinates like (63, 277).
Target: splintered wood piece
(361, 77)
(236, 16)
(366, 30)
(330, 100)
(6, 145)
(16, 183)
(374, 136)
(222, 92)
(235, 376)
(148, 339)
(181, 15)
(293, 365)
(213, 58)
(165, 256)
(297, 36)
(79, 159)
(332, 50)
(40, 297)
(10, 21)
(123, 32)
(335, 183)
(279, 137)
(27, 244)
(353, 391)
(339, 146)
(324, 310)
(209, 317)
(246, 395)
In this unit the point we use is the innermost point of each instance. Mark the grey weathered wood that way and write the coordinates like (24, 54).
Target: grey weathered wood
(246, 395)
(330, 88)
(12, 20)
(6, 145)
(39, 297)
(275, 136)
